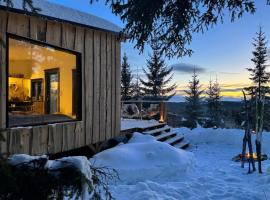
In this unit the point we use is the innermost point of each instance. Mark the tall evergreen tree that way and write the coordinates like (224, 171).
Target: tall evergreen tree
(126, 79)
(137, 88)
(158, 77)
(260, 77)
(194, 100)
(214, 104)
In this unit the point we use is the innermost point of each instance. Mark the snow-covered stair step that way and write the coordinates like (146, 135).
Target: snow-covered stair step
(158, 131)
(165, 136)
(175, 140)
(182, 145)
(153, 127)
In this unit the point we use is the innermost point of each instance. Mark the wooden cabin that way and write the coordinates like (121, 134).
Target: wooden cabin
(59, 79)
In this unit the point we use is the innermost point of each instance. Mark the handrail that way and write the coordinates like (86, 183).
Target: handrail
(143, 101)
(162, 107)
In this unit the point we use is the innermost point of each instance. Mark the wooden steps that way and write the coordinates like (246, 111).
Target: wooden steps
(175, 140)
(156, 132)
(164, 133)
(182, 145)
(153, 127)
(163, 137)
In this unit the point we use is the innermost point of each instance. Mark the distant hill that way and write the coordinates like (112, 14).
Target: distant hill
(179, 107)
(231, 113)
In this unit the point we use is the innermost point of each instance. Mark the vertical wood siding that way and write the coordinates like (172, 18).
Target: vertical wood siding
(3, 28)
(89, 88)
(100, 59)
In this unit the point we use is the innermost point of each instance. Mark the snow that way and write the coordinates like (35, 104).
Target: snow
(145, 158)
(79, 162)
(17, 159)
(67, 14)
(152, 170)
(136, 123)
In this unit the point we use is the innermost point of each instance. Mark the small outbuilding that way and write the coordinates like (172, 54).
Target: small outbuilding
(59, 79)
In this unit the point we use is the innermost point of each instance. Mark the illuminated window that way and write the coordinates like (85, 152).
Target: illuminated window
(43, 84)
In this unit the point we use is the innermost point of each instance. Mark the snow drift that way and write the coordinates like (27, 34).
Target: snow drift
(144, 158)
(215, 175)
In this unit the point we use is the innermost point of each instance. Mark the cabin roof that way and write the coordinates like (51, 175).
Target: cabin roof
(61, 13)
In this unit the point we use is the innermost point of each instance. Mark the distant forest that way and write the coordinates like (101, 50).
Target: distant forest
(231, 113)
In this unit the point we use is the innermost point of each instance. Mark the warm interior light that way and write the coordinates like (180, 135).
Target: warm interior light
(35, 68)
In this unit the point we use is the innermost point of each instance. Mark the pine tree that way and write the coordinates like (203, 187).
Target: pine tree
(214, 104)
(126, 79)
(158, 77)
(137, 88)
(260, 77)
(194, 100)
(173, 22)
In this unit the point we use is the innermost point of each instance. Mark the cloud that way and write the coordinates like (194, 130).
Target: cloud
(187, 68)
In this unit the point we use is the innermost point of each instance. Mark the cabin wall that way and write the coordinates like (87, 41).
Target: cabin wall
(100, 86)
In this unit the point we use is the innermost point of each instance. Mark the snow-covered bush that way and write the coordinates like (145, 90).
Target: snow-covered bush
(29, 177)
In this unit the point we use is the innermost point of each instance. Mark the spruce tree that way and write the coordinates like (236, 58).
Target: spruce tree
(194, 101)
(260, 77)
(137, 88)
(156, 86)
(213, 104)
(126, 79)
(174, 22)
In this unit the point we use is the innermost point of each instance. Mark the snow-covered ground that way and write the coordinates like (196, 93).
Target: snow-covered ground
(150, 170)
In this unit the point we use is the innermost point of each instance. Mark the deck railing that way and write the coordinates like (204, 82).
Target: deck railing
(144, 109)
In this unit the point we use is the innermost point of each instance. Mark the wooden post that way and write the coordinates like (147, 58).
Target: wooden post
(162, 112)
(141, 110)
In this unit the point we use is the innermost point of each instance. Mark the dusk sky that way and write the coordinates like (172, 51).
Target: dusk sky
(224, 51)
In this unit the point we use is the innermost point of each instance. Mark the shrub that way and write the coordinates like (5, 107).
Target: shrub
(34, 179)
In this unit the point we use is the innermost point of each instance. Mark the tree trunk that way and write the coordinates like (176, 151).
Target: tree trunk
(247, 138)
(259, 129)
(244, 150)
(251, 151)
(258, 149)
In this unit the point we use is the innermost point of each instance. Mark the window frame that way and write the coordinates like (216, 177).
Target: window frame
(45, 44)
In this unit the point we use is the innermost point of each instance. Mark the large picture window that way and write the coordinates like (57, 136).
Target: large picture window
(43, 83)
